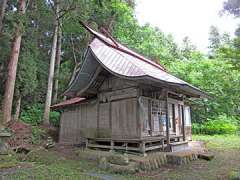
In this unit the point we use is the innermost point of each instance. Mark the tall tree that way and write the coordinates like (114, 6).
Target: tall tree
(2, 13)
(187, 48)
(52, 65)
(58, 62)
(12, 66)
(214, 38)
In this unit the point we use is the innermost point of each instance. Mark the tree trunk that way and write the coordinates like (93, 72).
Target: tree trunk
(2, 13)
(18, 106)
(12, 69)
(75, 62)
(58, 61)
(51, 68)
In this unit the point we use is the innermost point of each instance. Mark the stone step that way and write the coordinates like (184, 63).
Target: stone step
(206, 156)
(152, 162)
(178, 146)
(183, 157)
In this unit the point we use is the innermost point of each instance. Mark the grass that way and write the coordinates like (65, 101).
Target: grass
(8, 161)
(220, 142)
(51, 165)
(226, 162)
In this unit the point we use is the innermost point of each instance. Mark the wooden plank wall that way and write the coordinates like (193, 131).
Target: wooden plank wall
(67, 124)
(118, 109)
(77, 123)
(114, 114)
(104, 130)
(124, 119)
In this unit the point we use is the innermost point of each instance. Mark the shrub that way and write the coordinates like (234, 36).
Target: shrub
(38, 134)
(55, 118)
(33, 115)
(220, 125)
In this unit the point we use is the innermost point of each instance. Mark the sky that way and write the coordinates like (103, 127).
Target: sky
(182, 18)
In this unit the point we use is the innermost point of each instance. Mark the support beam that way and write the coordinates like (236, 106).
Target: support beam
(98, 113)
(183, 123)
(167, 121)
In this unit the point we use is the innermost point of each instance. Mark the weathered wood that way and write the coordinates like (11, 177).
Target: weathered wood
(118, 94)
(183, 123)
(115, 83)
(104, 130)
(167, 121)
(124, 118)
(118, 119)
(78, 123)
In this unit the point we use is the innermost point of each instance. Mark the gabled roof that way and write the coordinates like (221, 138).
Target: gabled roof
(119, 60)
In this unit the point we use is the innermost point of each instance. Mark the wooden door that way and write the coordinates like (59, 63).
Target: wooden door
(124, 118)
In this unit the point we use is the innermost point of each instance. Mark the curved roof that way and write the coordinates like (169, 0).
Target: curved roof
(122, 62)
(126, 65)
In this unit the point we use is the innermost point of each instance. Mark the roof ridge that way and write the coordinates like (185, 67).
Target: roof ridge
(126, 50)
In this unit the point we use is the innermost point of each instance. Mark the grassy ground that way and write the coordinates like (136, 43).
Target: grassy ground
(227, 159)
(220, 142)
(52, 165)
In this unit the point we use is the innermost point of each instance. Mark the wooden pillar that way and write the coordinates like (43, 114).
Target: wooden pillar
(162, 142)
(98, 113)
(110, 116)
(167, 121)
(183, 123)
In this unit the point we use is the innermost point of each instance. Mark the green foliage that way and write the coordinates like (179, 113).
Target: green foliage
(221, 125)
(234, 175)
(218, 79)
(55, 118)
(33, 115)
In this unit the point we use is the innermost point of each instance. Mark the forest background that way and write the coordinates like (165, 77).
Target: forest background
(52, 38)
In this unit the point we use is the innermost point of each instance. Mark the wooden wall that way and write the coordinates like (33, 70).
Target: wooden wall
(120, 110)
(124, 119)
(112, 115)
(78, 122)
